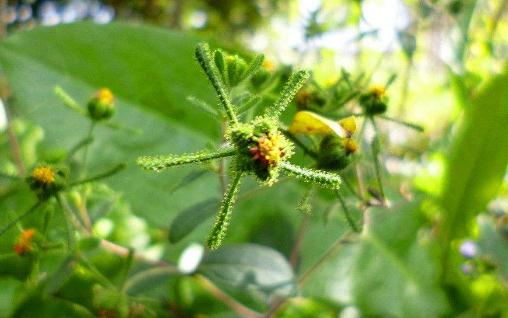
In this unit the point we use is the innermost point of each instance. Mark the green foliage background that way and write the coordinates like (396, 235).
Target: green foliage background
(404, 263)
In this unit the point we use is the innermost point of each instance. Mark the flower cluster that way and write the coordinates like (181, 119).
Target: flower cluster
(259, 147)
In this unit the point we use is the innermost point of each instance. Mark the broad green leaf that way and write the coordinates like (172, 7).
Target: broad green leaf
(149, 70)
(190, 218)
(387, 273)
(250, 269)
(478, 158)
(146, 280)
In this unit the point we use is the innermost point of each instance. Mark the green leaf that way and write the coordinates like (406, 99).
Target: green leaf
(478, 158)
(47, 306)
(150, 71)
(190, 218)
(388, 273)
(249, 269)
(494, 246)
(10, 295)
(147, 280)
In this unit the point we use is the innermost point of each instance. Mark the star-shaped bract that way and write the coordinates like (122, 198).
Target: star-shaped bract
(259, 148)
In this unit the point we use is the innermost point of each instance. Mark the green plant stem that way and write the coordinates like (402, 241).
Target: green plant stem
(222, 163)
(126, 268)
(68, 101)
(351, 189)
(14, 146)
(143, 275)
(68, 227)
(375, 156)
(293, 259)
(161, 162)
(293, 85)
(89, 135)
(226, 299)
(100, 176)
(32, 209)
(347, 213)
(8, 176)
(77, 221)
(98, 275)
(319, 177)
(300, 144)
(82, 143)
(404, 123)
(204, 59)
(47, 220)
(344, 239)
(221, 224)
(405, 87)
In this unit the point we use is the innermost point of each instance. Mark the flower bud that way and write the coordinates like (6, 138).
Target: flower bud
(46, 181)
(24, 242)
(236, 67)
(335, 153)
(102, 105)
(374, 101)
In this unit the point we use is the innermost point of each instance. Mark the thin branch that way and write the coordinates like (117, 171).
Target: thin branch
(23, 215)
(226, 299)
(14, 145)
(162, 162)
(205, 60)
(347, 214)
(375, 156)
(344, 239)
(124, 252)
(100, 176)
(300, 144)
(293, 85)
(298, 242)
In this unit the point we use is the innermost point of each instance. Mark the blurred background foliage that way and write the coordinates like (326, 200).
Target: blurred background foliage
(437, 248)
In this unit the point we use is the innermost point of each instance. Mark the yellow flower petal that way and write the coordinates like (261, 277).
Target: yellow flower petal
(306, 122)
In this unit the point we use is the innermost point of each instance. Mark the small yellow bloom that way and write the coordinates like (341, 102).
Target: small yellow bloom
(44, 175)
(349, 124)
(378, 91)
(306, 122)
(104, 95)
(350, 145)
(268, 65)
(270, 149)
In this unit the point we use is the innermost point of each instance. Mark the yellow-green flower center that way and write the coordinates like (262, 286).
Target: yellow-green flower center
(44, 175)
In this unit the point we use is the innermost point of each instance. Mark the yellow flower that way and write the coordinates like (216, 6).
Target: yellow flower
(378, 91)
(270, 149)
(44, 175)
(268, 65)
(104, 95)
(350, 145)
(349, 124)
